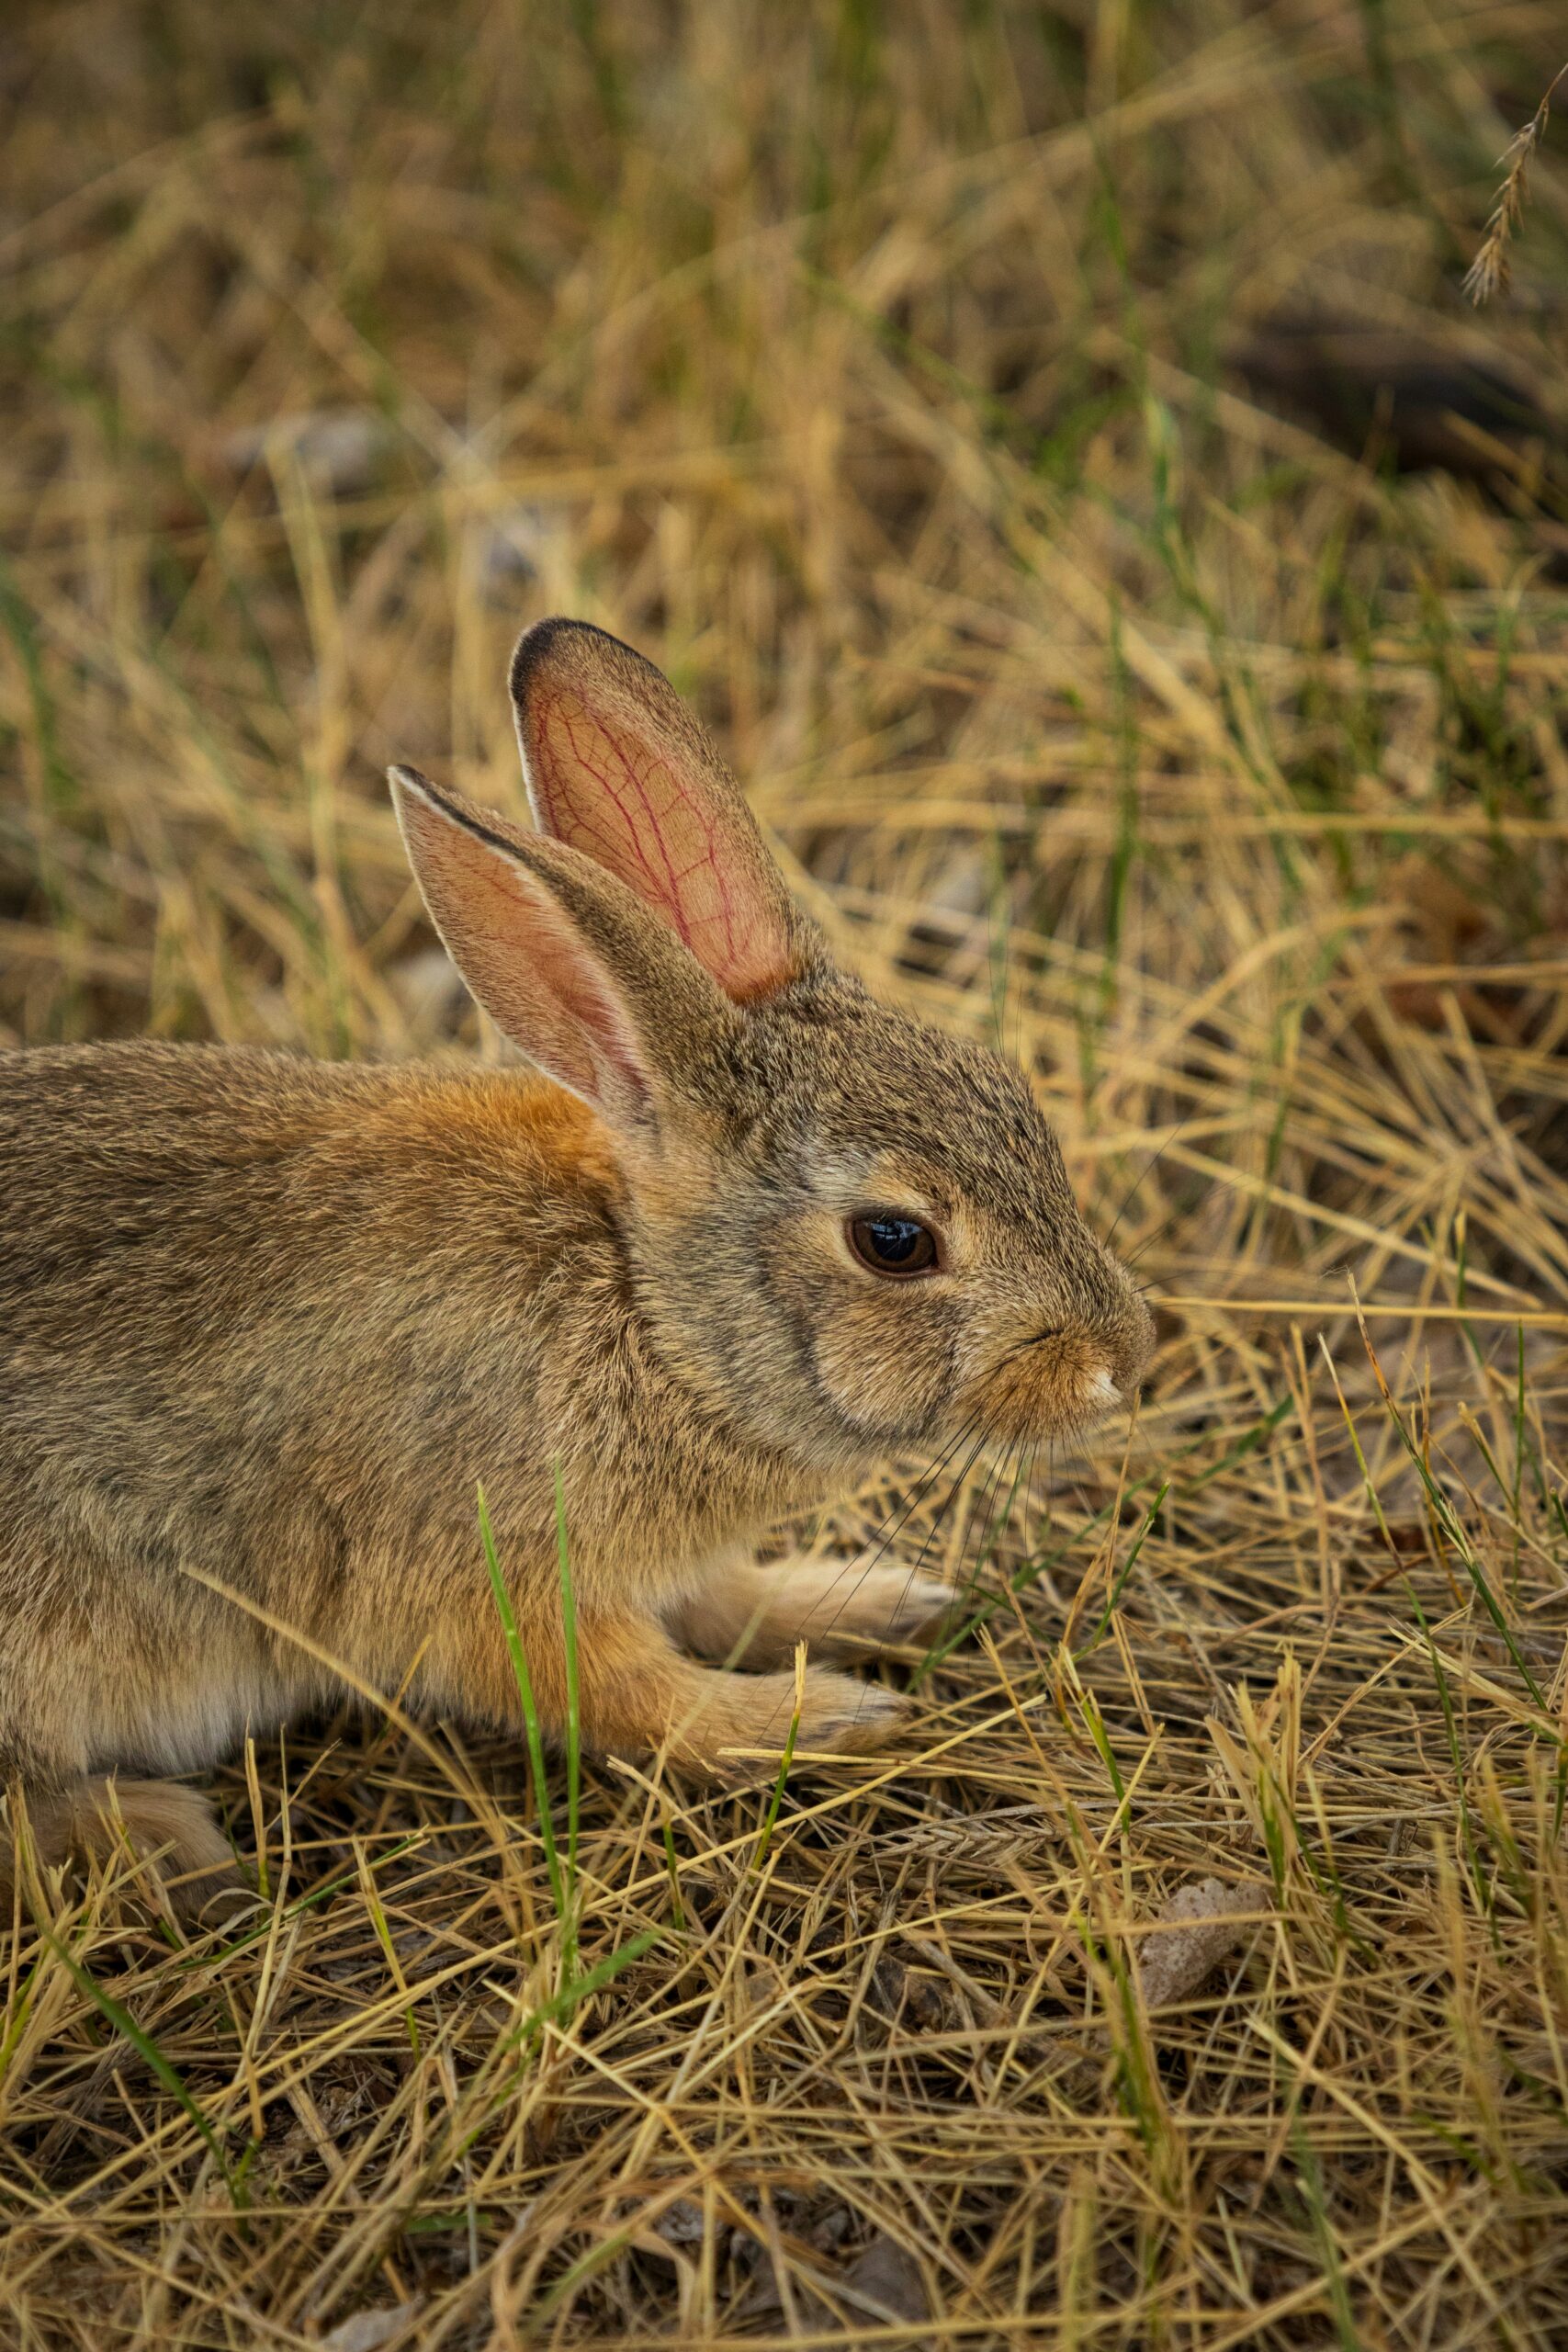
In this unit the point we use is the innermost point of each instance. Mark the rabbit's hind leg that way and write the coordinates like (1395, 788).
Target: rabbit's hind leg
(93, 1819)
(74, 1704)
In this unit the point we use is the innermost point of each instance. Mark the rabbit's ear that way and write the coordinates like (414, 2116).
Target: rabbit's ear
(617, 767)
(560, 955)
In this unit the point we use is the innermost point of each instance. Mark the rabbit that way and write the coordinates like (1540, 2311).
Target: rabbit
(739, 1232)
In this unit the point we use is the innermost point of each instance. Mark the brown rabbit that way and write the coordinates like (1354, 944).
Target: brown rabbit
(265, 1324)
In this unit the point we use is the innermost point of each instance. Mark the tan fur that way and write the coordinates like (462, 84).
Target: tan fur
(144, 1820)
(759, 1610)
(266, 1324)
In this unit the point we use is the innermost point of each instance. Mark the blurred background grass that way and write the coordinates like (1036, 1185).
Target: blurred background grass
(1051, 447)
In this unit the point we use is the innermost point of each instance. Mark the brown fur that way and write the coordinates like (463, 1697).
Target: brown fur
(265, 1324)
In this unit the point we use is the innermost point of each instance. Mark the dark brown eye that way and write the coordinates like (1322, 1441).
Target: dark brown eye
(893, 1245)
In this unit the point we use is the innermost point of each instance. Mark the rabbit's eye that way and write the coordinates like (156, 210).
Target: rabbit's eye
(893, 1245)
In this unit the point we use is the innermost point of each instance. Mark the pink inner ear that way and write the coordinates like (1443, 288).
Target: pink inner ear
(526, 963)
(663, 829)
(590, 1026)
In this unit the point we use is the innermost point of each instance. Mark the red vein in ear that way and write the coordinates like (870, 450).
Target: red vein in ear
(665, 888)
(665, 838)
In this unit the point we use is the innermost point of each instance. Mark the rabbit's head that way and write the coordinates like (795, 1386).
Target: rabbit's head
(848, 1231)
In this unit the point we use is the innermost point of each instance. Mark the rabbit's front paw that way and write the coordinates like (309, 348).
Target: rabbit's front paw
(838, 1715)
(757, 1614)
(844, 1716)
(883, 1608)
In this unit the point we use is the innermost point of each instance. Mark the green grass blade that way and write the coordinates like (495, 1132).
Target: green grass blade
(784, 1762)
(142, 2041)
(573, 1711)
(530, 1712)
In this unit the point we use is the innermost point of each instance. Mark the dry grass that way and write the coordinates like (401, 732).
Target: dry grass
(1492, 270)
(1196, 1972)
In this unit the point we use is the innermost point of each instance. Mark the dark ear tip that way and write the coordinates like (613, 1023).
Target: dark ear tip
(561, 634)
(406, 779)
(416, 796)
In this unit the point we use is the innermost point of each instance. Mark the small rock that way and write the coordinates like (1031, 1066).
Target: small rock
(1201, 1925)
(337, 448)
(681, 2223)
(368, 2331)
(886, 2276)
(427, 986)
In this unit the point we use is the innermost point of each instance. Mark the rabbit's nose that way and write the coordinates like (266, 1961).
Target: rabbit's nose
(1132, 1347)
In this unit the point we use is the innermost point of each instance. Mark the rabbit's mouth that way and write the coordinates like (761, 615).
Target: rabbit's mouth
(1062, 1381)
(1102, 1396)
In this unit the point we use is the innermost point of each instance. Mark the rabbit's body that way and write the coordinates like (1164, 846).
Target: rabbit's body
(266, 1324)
(305, 1285)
